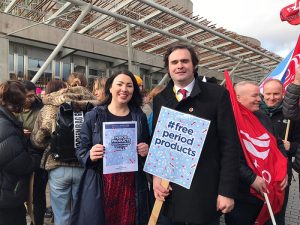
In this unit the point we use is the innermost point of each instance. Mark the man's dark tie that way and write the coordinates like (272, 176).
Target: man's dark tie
(183, 92)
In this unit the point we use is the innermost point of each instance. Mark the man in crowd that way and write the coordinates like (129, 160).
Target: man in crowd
(31, 109)
(272, 105)
(214, 185)
(291, 109)
(248, 206)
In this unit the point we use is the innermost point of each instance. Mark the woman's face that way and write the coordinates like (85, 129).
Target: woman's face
(98, 92)
(122, 89)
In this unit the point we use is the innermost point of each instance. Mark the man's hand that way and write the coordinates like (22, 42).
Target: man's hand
(159, 191)
(224, 204)
(297, 76)
(287, 145)
(259, 185)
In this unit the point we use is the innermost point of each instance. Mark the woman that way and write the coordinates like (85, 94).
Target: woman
(64, 175)
(148, 104)
(98, 88)
(124, 195)
(16, 164)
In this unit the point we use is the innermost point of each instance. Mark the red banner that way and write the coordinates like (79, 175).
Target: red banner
(261, 153)
(291, 14)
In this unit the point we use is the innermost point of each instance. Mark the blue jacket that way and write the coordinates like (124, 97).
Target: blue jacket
(89, 206)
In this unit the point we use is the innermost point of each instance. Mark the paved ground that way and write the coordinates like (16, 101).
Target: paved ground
(293, 208)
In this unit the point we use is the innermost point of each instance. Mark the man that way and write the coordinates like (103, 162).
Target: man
(272, 106)
(215, 181)
(291, 109)
(31, 109)
(247, 206)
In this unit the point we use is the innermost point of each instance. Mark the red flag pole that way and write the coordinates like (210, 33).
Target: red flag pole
(270, 208)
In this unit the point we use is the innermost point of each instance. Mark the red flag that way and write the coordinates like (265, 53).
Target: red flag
(289, 75)
(261, 153)
(286, 69)
(291, 14)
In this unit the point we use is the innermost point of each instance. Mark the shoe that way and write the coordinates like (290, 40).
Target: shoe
(49, 213)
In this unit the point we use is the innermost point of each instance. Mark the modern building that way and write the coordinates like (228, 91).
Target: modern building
(51, 38)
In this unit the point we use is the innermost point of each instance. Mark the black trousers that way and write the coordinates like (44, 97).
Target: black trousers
(13, 216)
(244, 213)
(165, 221)
(210, 223)
(39, 195)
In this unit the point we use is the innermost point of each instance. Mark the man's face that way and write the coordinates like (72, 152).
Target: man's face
(248, 96)
(30, 99)
(273, 94)
(181, 68)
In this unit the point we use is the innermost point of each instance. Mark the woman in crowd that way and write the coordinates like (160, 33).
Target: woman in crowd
(98, 88)
(148, 103)
(124, 196)
(64, 175)
(16, 164)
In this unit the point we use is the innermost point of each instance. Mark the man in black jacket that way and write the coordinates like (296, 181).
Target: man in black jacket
(247, 205)
(272, 106)
(214, 185)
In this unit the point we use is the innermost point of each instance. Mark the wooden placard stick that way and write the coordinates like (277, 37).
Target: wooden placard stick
(287, 130)
(157, 206)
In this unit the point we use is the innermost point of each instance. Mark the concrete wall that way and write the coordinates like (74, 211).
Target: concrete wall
(4, 51)
(186, 4)
(50, 35)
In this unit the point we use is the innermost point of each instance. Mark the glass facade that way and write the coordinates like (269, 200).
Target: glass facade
(25, 61)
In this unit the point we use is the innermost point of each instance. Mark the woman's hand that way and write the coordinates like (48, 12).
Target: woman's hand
(97, 152)
(142, 149)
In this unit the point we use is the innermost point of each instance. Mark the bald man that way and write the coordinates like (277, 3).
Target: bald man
(272, 105)
(247, 206)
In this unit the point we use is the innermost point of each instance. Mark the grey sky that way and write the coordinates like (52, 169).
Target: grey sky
(255, 18)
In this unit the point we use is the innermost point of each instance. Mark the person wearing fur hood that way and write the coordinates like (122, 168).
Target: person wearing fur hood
(64, 177)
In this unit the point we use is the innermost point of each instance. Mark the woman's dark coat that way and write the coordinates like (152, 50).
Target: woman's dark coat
(89, 206)
(16, 164)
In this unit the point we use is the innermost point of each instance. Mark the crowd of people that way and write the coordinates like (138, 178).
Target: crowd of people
(39, 146)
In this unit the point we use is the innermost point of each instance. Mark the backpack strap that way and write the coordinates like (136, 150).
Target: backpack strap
(66, 106)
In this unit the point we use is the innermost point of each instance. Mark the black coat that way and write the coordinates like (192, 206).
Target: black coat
(16, 164)
(291, 110)
(89, 207)
(217, 170)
